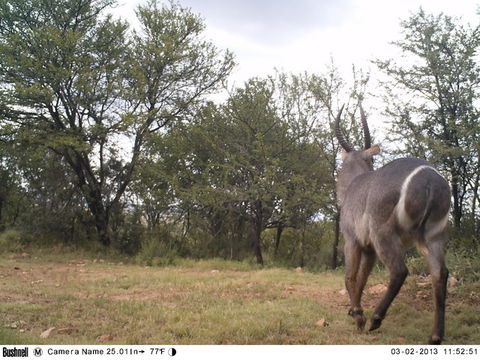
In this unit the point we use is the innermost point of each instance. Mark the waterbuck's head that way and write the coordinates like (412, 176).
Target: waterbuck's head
(354, 162)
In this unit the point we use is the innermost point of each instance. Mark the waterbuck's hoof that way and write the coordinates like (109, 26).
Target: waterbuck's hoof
(435, 340)
(376, 322)
(360, 321)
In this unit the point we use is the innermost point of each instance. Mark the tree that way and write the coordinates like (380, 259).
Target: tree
(243, 166)
(77, 83)
(279, 170)
(439, 80)
(11, 193)
(330, 91)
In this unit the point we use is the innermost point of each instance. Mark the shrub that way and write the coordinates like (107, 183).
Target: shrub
(417, 265)
(157, 248)
(10, 240)
(464, 264)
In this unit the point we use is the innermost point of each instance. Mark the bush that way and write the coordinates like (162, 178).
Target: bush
(128, 237)
(311, 248)
(464, 264)
(417, 265)
(157, 248)
(10, 240)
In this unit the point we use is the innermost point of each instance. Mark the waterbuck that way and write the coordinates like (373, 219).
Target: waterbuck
(384, 211)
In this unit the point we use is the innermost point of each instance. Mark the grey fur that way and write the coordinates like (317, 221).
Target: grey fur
(378, 221)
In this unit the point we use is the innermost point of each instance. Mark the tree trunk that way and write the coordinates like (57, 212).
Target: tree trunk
(457, 206)
(1, 208)
(302, 247)
(278, 236)
(475, 201)
(257, 246)
(103, 228)
(257, 228)
(101, 216)
(336, 240)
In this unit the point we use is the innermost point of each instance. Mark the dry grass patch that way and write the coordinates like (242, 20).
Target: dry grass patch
(205, 302)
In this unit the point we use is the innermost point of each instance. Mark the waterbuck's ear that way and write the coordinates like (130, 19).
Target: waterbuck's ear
(372, 151)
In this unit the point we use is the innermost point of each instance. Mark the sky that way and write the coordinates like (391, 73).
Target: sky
(304, 35)
(295, 36)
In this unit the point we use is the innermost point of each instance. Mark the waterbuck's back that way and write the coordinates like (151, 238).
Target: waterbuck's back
(406, 196)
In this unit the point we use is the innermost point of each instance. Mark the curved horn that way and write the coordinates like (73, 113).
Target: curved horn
(338, 132)
(366, 131)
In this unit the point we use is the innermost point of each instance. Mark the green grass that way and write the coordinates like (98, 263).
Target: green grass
(204, 302)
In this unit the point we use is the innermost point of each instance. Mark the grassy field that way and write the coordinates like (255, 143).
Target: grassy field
(93, 300)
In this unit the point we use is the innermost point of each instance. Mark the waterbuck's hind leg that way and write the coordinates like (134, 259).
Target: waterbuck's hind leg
(439, 273)
(390, 254)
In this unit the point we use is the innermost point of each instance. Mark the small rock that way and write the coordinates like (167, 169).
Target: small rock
(322, 323)
(422, 295)
(76, 262)
(47, 333)
(377, 289)
(343, 292)
(67, 331)
(299, 270)
(214, 271)
(452, 281)
(103, 338)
